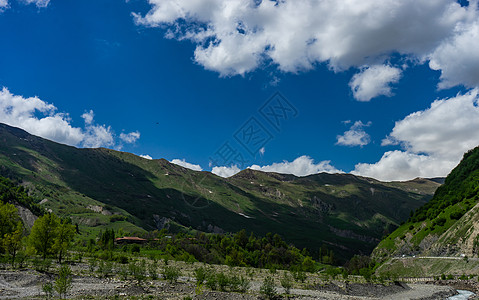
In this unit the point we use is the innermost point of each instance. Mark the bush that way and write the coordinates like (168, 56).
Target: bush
(122, 259)
(268, 289)
(152, 270)
(286, 282)
(242, 284)
(64, 280)
(211, 281)
(123, 272)
(200, 275)
(171, 273)
(135, 248)
(223, 281)
(47, 288)
(138, 270)
(299, 276)
(456, 215)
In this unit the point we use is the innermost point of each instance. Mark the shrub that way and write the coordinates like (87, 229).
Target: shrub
(64, 280)
(243, 284)
(152, 270)
(171, 273)
(122, 259)
(223, 281)
(299, 276)
(200, 275)
(211, 281)
(286, 282)
(135, 248)
(47, 288)
(268, 289)
(138, 270)
(123, 272)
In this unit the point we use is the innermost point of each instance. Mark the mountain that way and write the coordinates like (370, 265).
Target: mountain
(448, 225)
(103, 188)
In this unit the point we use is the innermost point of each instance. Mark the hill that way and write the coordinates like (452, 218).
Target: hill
(448, 225)
(103, 188)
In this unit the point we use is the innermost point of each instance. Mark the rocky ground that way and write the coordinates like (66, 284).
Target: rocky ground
(26, 284)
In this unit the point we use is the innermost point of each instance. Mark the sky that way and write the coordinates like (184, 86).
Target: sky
(384, 89)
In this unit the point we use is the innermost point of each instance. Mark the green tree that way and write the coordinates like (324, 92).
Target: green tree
(9, 218)
(12, 242)
(64, 234)
(43, 234)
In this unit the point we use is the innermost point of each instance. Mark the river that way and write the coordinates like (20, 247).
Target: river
(463, 295)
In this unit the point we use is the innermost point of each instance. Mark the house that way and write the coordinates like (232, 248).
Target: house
(129, 240)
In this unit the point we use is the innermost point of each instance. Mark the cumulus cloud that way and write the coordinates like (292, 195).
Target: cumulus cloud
(235, 37)
(225, 171)
(301, 166)
(146, 156)
(355, 136)
(458, 59)
(374, 81)
(433, 140)
(185, 164)
(42, 119)
(88, 117)
(130, 137)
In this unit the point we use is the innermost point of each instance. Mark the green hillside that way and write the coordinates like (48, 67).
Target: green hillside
(103, 188)
(446, 224)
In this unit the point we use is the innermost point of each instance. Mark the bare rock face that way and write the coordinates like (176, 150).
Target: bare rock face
(462, 238)
(27, 216)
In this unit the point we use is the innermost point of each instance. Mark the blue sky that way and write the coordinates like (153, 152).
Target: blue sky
(380, 89)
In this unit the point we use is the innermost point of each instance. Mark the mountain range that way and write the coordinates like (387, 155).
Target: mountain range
(103, 188)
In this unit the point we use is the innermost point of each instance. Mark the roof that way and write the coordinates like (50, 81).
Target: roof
(130, 238)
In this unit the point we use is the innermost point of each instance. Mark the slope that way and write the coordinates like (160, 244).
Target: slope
(103, 188)
(448, 225)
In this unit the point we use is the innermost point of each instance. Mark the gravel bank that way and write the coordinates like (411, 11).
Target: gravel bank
(26, 284)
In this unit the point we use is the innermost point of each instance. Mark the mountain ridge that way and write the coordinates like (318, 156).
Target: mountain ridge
(343, 211)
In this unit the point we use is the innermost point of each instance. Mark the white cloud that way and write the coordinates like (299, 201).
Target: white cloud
(404, 165)
(374, 81)
(235, 37)
(130, 138)
(433, 140)
(146, 156)
(262, 150)
(458, 58)
(38, 3)
(88, 117)
(355, 136)
(42, 119)
(185, 164)
(225, 171)
(98, 136)
(301, 166)
(3, 5)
